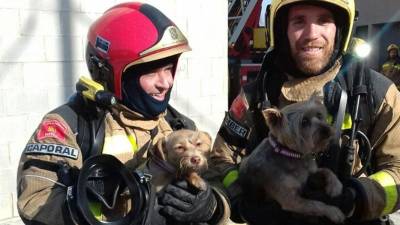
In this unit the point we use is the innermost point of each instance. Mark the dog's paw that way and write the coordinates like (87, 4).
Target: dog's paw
(334, 188)
(196, 181)
(335, 215)
(200, 184)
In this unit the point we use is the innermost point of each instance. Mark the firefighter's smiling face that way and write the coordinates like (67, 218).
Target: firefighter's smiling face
(311, 34)
(157, 82)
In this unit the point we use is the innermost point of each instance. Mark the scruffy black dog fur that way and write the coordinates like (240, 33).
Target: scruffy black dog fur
(281, 164)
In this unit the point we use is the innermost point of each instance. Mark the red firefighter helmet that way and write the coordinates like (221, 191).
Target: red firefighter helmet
(126, 35)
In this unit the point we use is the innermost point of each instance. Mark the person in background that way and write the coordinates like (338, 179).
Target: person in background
(391, 68)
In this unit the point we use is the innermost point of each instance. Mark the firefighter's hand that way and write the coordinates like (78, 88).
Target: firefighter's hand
(251, 211)
(346, 201)
(183, 203)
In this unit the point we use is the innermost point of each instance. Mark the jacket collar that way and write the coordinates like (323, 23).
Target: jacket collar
(301, 89)
(134, 119)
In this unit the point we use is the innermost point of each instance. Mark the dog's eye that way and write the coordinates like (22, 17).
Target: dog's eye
(198, 144)
(320, 116)
(305, 122)
(179, 148)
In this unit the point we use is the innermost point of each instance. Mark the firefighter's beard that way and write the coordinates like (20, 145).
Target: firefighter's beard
(311, 58)
(393, 56)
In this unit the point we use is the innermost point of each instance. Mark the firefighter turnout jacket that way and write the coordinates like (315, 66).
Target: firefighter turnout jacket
(41, 193)
(238, 136)
(391, 69)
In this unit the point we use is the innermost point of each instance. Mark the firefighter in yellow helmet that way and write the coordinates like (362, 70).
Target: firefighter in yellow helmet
(310, 51)
(391, 68)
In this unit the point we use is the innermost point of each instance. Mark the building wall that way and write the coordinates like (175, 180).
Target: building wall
(42, 51)
(374, 12)
(379, 24)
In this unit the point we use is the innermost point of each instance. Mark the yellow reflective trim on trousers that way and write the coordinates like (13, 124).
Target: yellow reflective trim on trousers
(389, 185)
(231, 177)
(95, 208)
(347, 121)
(133, 142)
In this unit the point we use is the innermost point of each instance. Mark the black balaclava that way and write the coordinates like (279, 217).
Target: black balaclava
(133, 95)
(284, 60)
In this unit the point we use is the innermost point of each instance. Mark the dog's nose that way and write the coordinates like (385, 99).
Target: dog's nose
(195, 160)
(326, 131)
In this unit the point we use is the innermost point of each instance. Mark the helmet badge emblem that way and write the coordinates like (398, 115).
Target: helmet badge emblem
(173, 33)
(102, 44)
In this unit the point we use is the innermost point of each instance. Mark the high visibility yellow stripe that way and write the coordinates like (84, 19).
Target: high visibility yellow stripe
(133, 142)
(347, 121)
(231, 177)
(118, 144)
(95, 208)
(389, 185)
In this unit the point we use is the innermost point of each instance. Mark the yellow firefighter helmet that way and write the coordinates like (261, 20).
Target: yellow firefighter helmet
(392, 46)
(346, 6)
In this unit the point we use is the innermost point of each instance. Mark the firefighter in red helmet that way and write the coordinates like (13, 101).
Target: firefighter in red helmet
(132, 54)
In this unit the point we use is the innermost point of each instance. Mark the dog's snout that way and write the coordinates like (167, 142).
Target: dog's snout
(325, 131)
(195, 160)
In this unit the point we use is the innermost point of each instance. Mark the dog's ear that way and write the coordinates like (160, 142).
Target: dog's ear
(273, 117)
(159, 150)
(208, 137)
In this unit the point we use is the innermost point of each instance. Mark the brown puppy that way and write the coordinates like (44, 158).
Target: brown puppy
(182, 154)
(279, 167)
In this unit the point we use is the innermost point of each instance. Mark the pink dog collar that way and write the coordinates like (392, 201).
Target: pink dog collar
(283, 150)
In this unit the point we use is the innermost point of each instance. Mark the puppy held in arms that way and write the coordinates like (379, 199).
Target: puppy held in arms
(182, 154)
(279, 166)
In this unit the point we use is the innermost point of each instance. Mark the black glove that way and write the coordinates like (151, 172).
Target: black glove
(349, 201)
(245, 209)
(184, 203)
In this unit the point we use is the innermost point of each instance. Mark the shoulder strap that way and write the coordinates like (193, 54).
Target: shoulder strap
(366, 91)
(355, 77)
(177, 120)
(263, 93)
(258, 100)
(87, 121)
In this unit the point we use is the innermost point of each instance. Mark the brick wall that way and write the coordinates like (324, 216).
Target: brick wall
(42, 50)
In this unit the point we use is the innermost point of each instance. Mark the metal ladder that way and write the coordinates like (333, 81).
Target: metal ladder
(238, 14)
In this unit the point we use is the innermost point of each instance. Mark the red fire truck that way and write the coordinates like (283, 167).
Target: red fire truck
(247, 42)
